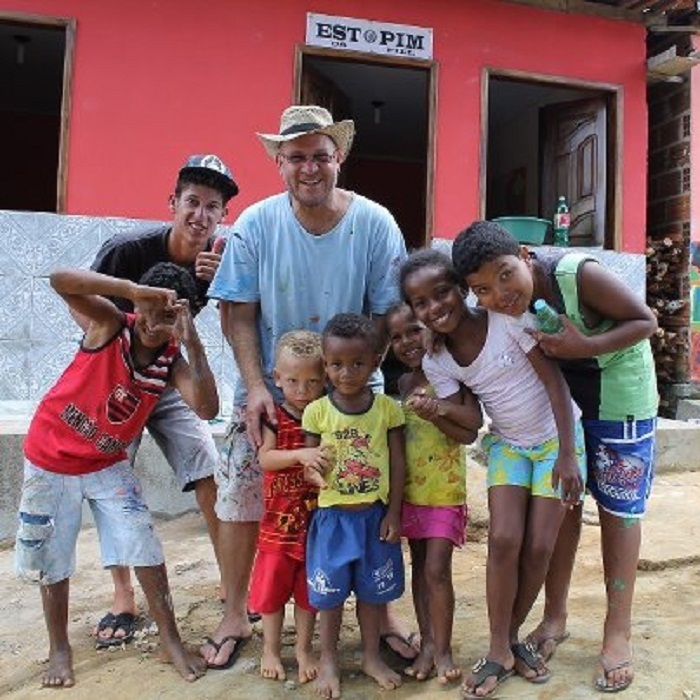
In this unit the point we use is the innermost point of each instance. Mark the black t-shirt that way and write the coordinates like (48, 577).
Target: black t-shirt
(129, 256)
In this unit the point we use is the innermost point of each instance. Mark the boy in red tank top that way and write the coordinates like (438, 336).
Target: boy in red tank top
(75, 447)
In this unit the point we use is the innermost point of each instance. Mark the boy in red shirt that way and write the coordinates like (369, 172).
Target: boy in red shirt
(75, 449)
(279, 571)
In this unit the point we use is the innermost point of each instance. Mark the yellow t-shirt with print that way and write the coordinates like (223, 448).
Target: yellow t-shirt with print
(435, 465)
(360, 448)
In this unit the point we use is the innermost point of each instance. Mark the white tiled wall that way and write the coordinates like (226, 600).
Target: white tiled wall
(37, 335)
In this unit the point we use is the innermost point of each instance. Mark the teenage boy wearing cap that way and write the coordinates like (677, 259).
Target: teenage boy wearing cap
(300, 257)
(198, 205)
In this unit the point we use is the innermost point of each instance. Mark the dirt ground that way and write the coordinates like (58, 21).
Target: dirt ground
(666, 628)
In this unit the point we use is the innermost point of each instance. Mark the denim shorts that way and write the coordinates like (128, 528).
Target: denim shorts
(529, 467)
(183, 437)
(238, 476)
(344, 554)
(50, 516)
(621, 464)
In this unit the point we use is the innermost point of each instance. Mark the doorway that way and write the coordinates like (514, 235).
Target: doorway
(390, 102)
(35, 65)
(551, 138)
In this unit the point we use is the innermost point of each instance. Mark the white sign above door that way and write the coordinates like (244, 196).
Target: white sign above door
(364, 35)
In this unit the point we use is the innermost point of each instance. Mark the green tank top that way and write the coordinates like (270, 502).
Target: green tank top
(624, 380)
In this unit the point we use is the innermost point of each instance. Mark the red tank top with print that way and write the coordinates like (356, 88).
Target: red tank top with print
(288, 498)
(97, 407)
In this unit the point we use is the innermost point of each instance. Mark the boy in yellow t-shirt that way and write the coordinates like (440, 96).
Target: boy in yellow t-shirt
(353, 541)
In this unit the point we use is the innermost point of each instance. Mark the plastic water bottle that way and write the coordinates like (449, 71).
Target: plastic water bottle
(548, 320)
(562, 221)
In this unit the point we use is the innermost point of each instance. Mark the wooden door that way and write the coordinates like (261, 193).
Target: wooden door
(574, 165)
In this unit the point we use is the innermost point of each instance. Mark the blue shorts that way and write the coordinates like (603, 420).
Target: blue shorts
(344, 554)
(50, 515)
(529, 467)
(621, 464)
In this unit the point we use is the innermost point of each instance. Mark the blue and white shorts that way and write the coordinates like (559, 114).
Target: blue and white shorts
(50, 516)
(344, 554)
(621, 464)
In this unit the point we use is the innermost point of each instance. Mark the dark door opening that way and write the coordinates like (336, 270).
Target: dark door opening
(389, 161)
(32, 58)
(547, 140)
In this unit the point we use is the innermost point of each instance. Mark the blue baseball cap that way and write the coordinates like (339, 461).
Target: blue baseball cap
(214, 165)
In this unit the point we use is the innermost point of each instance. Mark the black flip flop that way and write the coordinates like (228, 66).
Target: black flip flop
(125, 621)
(408, 641)
(238, 644)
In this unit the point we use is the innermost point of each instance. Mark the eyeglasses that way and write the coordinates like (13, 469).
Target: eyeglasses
(297, 159)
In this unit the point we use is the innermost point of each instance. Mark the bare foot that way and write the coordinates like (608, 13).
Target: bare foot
(446, 669)
(327, 683)
(187, 662)
(271, 666)
(547, 636)
(423, 665)
(59, 674)
(308, 665)
(375, 668)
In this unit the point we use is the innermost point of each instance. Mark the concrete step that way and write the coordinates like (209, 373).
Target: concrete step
(688, 409)
(677, 445)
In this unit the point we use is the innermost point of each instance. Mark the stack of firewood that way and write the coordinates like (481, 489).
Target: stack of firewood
(668, 297)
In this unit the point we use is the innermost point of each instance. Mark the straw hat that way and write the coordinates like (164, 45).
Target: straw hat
(299, 120)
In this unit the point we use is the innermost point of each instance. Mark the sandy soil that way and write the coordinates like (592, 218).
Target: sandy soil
(666, 628)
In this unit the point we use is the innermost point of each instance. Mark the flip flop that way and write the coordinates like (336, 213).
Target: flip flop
(125, 621)
(482, 670)
(547, 644)
(528, 654)
(238, 644)
(601, 683)
(408, 641)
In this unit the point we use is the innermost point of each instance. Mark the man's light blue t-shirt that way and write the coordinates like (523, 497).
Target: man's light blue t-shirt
(301, 280)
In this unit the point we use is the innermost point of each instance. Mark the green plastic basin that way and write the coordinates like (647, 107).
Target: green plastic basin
(527, 229)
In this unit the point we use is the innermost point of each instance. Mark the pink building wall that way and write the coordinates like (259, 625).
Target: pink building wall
(156, 80)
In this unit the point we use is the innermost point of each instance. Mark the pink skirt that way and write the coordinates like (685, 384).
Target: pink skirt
(424, 522)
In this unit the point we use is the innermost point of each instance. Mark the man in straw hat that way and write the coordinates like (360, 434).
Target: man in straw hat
(295, 259)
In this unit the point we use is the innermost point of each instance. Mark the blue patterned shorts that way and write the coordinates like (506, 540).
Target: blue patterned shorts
(621, 464)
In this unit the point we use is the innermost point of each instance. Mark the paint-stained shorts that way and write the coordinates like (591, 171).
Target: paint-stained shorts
(239, 479)
(50, 515)
(344, 554)
(529, 467)
(621, 464)
(183, 437)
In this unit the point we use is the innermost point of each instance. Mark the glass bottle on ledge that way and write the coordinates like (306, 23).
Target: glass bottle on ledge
(562, 221)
